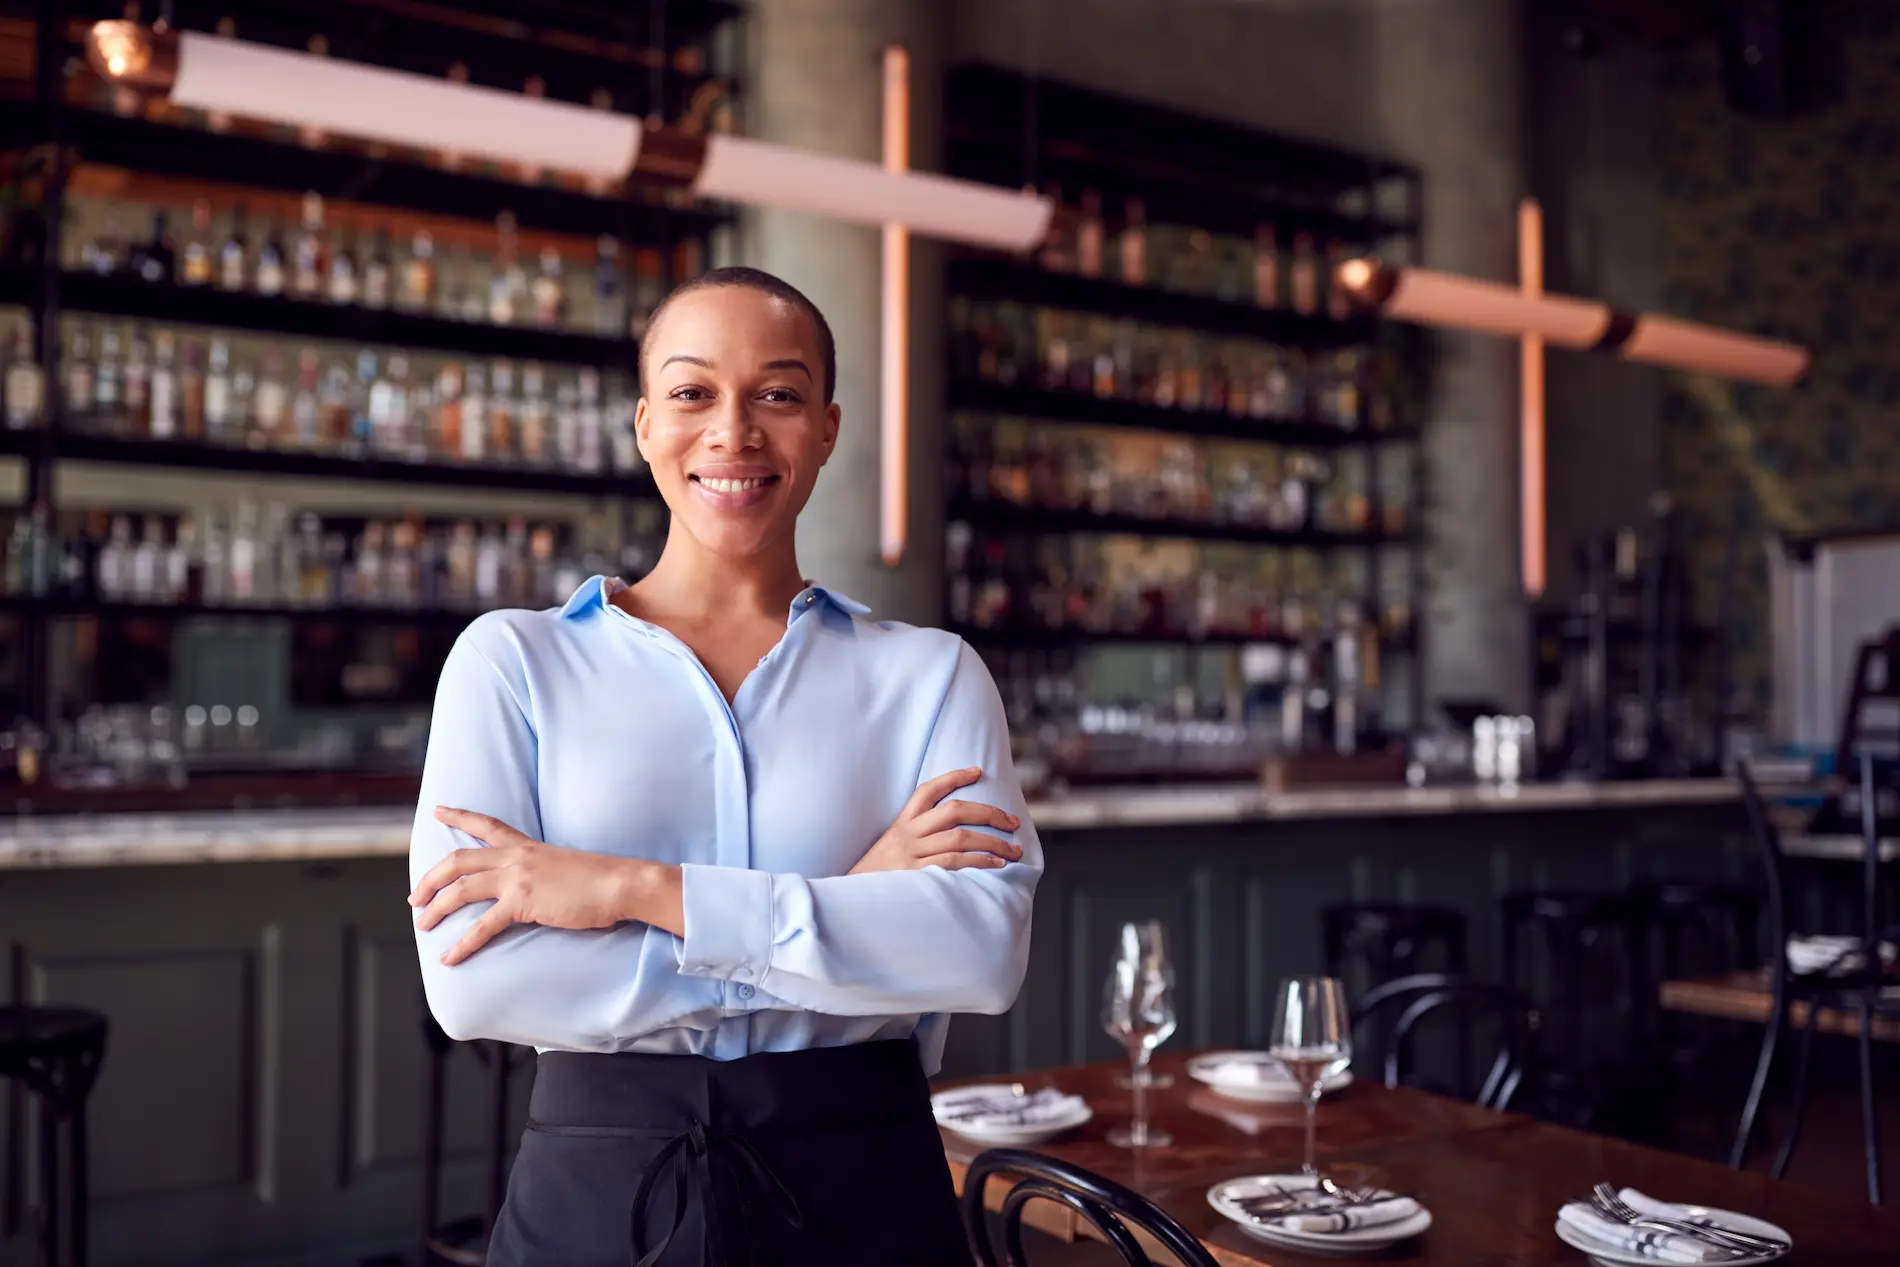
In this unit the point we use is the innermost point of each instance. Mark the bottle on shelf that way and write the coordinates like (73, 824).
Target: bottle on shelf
(135, 416)
(508, 287)
(1266, 268)
(474, 415)
(417, 293)
(308, 262)
(1133, 244)
(1338, 302)
(272, 272)
(1089, 236)
(271, 405)
(191, 392)
(549, 293)
(25, 385)
(610, 298)
(154, 259)
(162, 417)
(536, 419)
(1305, 275)
(233, 271)
(343, 286)
(78, 376)
(196, 266)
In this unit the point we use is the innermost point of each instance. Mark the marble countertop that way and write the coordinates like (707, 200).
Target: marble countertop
(168, 839)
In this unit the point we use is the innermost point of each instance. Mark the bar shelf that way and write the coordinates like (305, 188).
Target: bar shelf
(1043, 405)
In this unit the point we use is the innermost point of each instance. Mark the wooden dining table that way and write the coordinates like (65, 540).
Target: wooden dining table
(1492, 1181)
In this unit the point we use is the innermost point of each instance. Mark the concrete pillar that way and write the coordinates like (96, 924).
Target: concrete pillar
(1448, 81)
(814, 78)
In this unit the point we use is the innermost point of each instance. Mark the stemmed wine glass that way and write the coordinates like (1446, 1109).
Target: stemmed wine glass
(1138, 1009)
(1312, 1038)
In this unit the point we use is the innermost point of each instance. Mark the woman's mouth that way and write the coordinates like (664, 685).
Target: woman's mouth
(728, 493)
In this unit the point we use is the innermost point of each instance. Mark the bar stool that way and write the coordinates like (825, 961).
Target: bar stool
(1385, 940)
(1575, 928)
(463, 1242)
(55, 1053)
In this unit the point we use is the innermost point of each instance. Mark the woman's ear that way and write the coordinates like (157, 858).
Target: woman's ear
(832, 416)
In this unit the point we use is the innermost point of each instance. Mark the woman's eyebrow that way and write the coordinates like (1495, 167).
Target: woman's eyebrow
(790, 363)
(700, 361)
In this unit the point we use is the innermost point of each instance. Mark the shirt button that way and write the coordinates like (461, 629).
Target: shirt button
(745, 991)
(810, 599)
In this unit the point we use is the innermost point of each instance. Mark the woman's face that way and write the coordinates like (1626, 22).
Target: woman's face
(733, 420)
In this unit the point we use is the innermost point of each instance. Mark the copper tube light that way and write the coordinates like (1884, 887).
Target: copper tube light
(1531, 421)
(894, 369)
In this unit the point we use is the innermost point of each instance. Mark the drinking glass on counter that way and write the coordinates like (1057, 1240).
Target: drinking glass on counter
(1138, 1009)
(1312, 1037)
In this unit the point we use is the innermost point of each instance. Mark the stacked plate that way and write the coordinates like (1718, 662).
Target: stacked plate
(1254, 1075)
(1004, 1115)
(1295, 1212)
(1607, 1241)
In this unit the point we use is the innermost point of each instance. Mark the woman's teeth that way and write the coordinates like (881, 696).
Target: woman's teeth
(731, 486)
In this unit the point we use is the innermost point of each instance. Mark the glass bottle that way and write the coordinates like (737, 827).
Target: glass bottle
(610, 297)
(377, 270)
(474, 414)
(197, 267)
(79, 380)
(217, 393)
(342, 286)
(308, 262)
(548, 292)
(270, 410)
(305, 414)
(508, 284)
(448, 414)
(234, 255)
(25, 385)
(271, 268)
(1088, 236)
(503, 411)
(1305, 275)
(1266, 268)
(191, 392)
(162, 418)
(153, 261)
(535, 417)
(417, 293)
(1134, 245)
(136, 412)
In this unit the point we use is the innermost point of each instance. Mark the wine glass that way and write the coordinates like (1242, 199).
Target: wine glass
(1138, 1009)
(1312, 1038)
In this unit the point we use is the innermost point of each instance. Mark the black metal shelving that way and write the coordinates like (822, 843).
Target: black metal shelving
(190, 455)
(57, 607)
(1003, 516)
(995, 277)
(1019, 638)
(123, 296)
(1098, 411)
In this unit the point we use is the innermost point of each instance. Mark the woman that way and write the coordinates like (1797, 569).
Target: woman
(693, 838)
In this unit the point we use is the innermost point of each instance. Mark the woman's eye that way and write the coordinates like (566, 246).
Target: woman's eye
(690, 394)
(780, 396)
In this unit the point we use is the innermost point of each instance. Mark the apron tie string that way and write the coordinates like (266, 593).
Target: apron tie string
(691, 1156)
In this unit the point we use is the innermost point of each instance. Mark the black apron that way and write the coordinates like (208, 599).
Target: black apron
(784, 1159)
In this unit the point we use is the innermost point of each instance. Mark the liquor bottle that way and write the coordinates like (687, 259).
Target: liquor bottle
(234, 255)
(472, 294)
(197, 257)
(535, 417)
(25, 386)
(567, 426)
(488, 557)
(104, 253)
(182, 569)
(270, 407)
(549, 295)
(1266, 268)
(1134, 245)
(333, 405)
(78, 393)
(241, 555)
(588, 424)
(271, 267)
(508, 284)
(362, 426)
(474, 414)
(1088, 236)
(308, 263)
(1055, 254)
(377, 270)
(108, 384)
(623, 449)
(1305, 275)
(448, 412)
(115, 562)
(389, 406)
(218, 422)
(305, 411)
(191, 392)
(147, 560)
(342, 286)
(162, 419)
(153, 260)
(610, 298)
(503, 411)
(418, 274)
(136, 413)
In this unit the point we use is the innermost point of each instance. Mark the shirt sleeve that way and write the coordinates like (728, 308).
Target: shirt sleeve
(894, 942)
(577, 990)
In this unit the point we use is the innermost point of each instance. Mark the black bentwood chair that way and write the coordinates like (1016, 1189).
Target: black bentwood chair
(1111, 1208)
(1484, 1014)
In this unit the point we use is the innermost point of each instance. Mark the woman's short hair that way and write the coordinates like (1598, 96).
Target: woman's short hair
(765, 283)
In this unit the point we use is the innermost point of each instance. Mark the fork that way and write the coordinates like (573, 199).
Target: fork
(1728, 1238)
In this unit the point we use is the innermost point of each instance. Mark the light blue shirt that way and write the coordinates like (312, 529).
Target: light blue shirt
(586, 727)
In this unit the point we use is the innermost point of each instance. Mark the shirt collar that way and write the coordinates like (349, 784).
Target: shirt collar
(597, 591)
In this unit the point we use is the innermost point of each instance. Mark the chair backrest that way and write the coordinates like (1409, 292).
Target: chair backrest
(1107, 1205)
(1876, 681)
(1507, 1016)
(1767, 837)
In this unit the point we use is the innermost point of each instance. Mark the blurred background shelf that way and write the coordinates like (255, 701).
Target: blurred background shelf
(1005, 516)
(1068, 406)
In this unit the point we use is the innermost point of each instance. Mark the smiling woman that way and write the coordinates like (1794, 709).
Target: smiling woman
(736, 948)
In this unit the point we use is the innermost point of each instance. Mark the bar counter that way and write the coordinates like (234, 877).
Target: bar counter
(287, 971)
(165, 839)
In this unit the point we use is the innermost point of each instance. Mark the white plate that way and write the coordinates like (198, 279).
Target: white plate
(1005, 1136)
(1365, 1240)
(1610, 1254)
(1275, 1085)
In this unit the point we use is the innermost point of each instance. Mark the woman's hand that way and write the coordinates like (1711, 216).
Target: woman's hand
(933, 832)
(531, 882)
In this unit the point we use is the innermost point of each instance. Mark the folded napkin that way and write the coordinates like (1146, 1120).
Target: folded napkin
(984, 1108)
(1385, 1208)
(1831, 954)
(1664, 1247)
(1241, 1067)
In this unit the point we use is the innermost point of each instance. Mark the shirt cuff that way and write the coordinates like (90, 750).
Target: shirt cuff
(728, 922)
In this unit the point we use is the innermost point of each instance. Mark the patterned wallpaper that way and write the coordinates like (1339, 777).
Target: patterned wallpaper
(1787, 228)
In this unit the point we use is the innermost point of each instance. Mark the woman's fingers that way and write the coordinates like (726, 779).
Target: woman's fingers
(459, 863)
(930, 791)
(959, 861)
(965, 814)
(477, 886)
(483, 827)
(479, 934)
(963, 840)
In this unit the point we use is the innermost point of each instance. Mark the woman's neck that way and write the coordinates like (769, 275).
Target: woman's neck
(692, 583)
